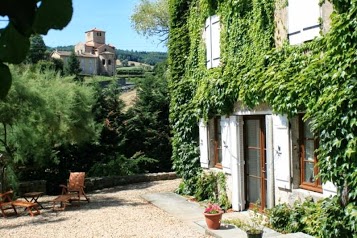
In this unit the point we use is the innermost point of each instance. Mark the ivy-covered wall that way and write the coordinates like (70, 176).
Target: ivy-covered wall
(319, 78)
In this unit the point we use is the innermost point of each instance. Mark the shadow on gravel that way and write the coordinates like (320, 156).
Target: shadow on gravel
(133, 186)
(42, 220)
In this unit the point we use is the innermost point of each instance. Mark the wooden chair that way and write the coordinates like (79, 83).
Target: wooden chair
(6, 202)
(75, 186)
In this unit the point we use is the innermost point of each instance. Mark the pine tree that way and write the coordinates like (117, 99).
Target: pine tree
(72, 66)
(37, 50)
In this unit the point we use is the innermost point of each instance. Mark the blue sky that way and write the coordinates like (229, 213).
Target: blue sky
(111, 16)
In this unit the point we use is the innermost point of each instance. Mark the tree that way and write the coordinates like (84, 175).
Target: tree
(42, 113)
(37, 50)
(148, 127)
(25, 19)
(151, 18)
(72, 66)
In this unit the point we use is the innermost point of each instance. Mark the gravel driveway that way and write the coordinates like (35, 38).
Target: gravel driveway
(114, 212)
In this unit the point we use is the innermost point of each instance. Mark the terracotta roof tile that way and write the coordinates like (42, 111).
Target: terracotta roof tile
(95, 29)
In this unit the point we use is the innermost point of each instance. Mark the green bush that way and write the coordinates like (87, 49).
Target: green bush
(279, 217)
(325, 218)
(212, 187)
(120, 166)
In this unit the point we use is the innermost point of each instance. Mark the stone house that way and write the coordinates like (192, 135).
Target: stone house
(266, 157)
(95, 56)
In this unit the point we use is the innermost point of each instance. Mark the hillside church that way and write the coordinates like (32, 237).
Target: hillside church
(95, 56)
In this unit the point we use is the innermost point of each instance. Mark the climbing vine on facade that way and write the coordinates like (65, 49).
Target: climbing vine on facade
(319, 78)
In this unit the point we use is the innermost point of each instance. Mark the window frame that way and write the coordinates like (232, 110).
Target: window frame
(217, 141)
(316, 186)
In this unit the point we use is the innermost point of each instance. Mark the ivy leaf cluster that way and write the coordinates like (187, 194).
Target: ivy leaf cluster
(318, 78)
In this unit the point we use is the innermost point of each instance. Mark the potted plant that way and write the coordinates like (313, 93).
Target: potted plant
(254, 228)
(213, 216)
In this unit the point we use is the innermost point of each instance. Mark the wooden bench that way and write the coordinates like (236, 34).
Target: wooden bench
(31, 207)
(63, 200)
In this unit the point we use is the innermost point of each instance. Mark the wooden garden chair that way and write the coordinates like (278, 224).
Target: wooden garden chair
(6, 202)
(75, 186)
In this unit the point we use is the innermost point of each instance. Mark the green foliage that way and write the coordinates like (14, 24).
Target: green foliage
(72, 65)
(211, 187)
(37, 50)
(147, 124)
(130, 71)
(325, 218)
(151, 18)
(120, 166)
(33, 17)
(151, 58)
(41, 113)
(321, 82)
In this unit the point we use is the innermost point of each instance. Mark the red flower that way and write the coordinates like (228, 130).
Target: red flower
(213, 208)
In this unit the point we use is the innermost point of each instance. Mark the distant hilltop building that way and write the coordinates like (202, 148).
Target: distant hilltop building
(95, 57)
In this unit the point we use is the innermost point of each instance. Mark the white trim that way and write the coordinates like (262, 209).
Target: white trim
(269, 160)
(203, 137)
(226, 144)
(282, 151)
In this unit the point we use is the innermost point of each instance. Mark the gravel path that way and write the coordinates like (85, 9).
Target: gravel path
(114, 212)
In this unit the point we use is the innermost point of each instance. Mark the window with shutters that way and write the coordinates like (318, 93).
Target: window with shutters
(212, 38)
(308, 158)
(303, 20)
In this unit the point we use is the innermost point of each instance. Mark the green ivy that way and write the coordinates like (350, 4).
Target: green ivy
(318, 77)
(211, 187)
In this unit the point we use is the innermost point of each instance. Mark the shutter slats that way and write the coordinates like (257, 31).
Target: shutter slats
(303, 20)
(226, 146)
(212, 38)
(281, 141)
(208, 43)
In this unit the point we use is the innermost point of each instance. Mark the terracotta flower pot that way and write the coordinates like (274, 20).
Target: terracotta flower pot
(213, 221)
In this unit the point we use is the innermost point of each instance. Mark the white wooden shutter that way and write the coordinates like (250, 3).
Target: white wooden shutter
(328, 189)
(303, 20)
(215, 33)
(208, 43)
(281, 141)
(294, 22)
(310, 19)
(226, 146)
(203, 133)
(238, 197)
(269, 160)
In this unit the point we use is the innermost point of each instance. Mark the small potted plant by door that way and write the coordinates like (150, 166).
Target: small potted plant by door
(253, 232)
(213, 216)
(254, 228)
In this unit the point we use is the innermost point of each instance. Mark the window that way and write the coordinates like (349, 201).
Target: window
(303, 20)
(217, 143)
(103, 61)
(212, 37)
(308, 158)
(109, 62)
